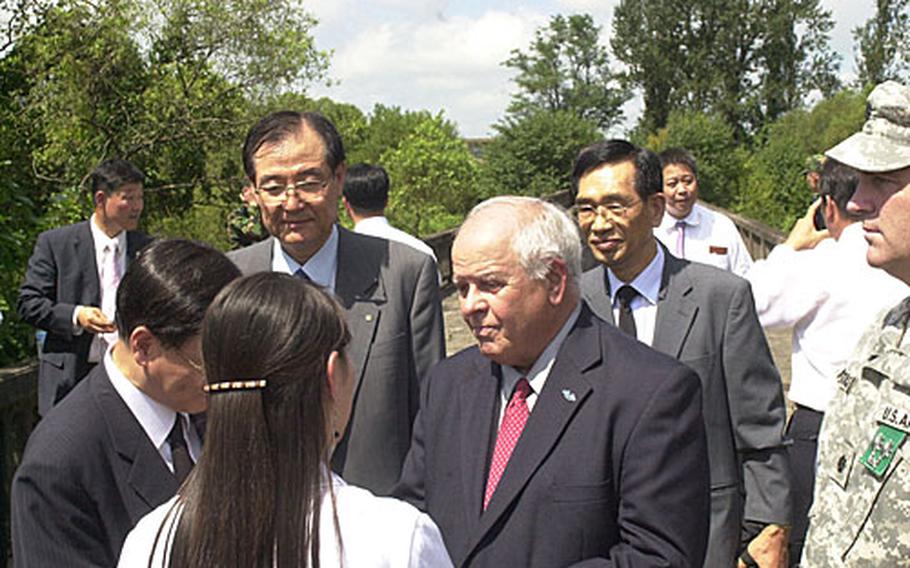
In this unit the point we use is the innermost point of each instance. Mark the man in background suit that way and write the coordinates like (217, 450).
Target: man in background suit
(121, 443)
(295, 163)
(600, 455)
(705, 317)
(71, 283)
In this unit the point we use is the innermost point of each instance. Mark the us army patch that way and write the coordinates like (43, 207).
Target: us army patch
(896, 417)
(845, 380)
(881, 451)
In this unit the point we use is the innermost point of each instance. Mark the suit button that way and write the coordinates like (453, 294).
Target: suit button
(841, 464)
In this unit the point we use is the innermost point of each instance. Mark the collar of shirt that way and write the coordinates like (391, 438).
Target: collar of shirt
(101, 240)
(155, 418)
(372, 222)
(320, 267)
(693, 219)
(539, 371)
(647, 283)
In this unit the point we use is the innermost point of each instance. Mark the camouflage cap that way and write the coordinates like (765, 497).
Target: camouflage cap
(883, 145)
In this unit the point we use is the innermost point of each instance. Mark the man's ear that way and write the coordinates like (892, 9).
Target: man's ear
(654, 206)
(98, 198)
(144, 346)
(557, 277)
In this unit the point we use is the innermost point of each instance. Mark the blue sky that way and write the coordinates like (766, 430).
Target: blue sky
(439, 55)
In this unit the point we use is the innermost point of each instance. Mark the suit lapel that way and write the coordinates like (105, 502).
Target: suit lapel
(563, 394)
(84, 251)
(595, 287)
(149, 477)
(360, 291)
(675, 311)
(479, 400)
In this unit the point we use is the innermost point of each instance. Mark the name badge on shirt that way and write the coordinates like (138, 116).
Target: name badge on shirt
(717, 250)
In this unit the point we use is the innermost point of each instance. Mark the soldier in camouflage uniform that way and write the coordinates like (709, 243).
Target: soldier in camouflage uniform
(861, 511)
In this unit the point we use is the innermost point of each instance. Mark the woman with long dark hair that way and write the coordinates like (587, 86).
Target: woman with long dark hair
(262, 495)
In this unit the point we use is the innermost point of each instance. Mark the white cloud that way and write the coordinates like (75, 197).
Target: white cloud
(453, 63)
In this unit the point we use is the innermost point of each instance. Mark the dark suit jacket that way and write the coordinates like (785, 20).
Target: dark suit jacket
(62, 273)
(390, 294)
(706, 319)
(611, 468)
(88, 475)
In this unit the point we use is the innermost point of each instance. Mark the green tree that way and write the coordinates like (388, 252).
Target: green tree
(433, 178)
(882, 51)
(389, 126)
(749, 60)
(775, 191)
(566, 68)
(170, 85)
(533, 154)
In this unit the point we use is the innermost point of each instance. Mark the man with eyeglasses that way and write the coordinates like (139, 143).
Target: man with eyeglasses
(122, 442)
(705, 317)
(389, 291)
(690, 230)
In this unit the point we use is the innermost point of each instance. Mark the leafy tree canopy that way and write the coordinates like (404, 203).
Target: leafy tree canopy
(567, 68)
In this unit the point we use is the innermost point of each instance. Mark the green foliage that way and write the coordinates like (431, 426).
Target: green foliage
(534, 154)
(777, 192)
(388, 127)
(749, 60)
(434, 178)
(18, 222)
(566, 68)
(882, 50)
(711, 141)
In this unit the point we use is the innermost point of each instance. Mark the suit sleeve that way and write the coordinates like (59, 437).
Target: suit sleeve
(664, 481)
(37, 304)
(411, 482)
(427, 332)
(54, 520)
(757, 413)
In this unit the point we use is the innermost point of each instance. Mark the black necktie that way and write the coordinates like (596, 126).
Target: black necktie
(180, 455)
(303, 275)
(625, 295)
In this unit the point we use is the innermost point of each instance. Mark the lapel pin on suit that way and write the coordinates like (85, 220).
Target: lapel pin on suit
(568, 395)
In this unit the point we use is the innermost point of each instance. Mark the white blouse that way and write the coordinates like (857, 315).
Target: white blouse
(375, 532)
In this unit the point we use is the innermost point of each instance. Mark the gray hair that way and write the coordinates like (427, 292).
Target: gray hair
(546, 232)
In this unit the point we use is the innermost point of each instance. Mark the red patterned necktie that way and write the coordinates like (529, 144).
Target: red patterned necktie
(513, 422)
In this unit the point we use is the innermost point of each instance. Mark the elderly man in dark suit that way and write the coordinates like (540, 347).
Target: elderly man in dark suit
(557, 440)
(121, 442)
(295, 164)
(705, 317)
(71, 282)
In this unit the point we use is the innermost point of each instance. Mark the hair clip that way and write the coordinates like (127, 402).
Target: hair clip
(235, 385)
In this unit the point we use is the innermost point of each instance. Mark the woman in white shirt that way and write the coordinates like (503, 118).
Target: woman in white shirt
(262, 495)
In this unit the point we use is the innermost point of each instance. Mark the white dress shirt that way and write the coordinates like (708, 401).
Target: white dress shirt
(830, 295)
(108, 297)
(376, 532)
(379, 226)
(539, 371)
(644, 306)
(320, 268)
(710, 238)
(155, 418)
